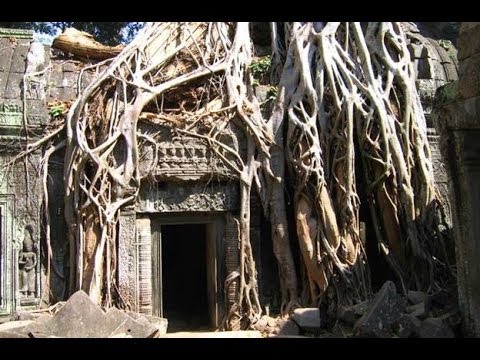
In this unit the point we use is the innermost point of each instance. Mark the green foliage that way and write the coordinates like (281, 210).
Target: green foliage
(57, 109)
(108, 33)
(272, 93)
(446, 44)
(260, 69)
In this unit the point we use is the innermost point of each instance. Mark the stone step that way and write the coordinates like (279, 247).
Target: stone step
(214, 334)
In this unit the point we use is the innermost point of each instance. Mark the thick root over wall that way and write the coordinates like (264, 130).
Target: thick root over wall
(346, 95)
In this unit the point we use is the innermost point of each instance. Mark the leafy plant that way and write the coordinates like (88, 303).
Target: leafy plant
(57, 109)
(272, 93)
(260, 68)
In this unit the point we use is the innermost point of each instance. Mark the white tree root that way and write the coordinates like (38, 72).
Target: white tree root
(346, 92)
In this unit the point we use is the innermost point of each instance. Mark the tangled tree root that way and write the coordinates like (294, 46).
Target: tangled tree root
(340, 84)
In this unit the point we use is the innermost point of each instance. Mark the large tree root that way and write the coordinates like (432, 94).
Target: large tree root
(339, 84)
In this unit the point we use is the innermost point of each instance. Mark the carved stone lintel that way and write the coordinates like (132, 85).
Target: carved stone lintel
(187, 160)
(16, 33)
(188, 197)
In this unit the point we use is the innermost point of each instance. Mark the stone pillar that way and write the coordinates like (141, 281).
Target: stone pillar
(457, 117)
(144, 264)
(127, 260)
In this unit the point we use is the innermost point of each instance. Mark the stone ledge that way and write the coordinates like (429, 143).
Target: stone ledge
(16, 33)
(458, 115)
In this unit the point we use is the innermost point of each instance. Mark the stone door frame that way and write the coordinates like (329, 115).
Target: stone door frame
(215, 234)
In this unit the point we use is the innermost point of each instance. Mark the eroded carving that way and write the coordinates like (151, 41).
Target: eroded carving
(188, 160)
(10, 114)
(27, 261)
(16, 33)
(191, 197)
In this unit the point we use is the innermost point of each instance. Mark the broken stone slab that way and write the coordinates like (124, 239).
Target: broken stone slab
(79, 317)
(435, 328)
(407, 326)
(216, 334)
(418, 310)
(384, 310)
(308, 319)
(11, 325)
(12, 335)
(452, 319)
(261, 324)
(415, 297)
(288, 336)
(134, 329)
(351, 314)
(34, 316)
(287, 328)
(161, 324)
(15, 328)
(119, 322)
(338, 331)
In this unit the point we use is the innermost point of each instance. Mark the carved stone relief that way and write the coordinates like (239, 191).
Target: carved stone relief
(190, 159)
(188, 197)
(27, 262)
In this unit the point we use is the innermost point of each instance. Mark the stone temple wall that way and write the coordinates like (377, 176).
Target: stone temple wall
(31, 77)
(456, 116)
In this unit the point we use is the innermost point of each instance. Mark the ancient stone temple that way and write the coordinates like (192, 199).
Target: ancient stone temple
(180, 240)
(191, 202)
(456, 117)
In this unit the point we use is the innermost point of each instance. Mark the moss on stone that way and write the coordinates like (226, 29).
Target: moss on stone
(446, 93)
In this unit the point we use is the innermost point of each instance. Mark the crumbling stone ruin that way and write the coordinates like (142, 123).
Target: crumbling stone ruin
(192, 200)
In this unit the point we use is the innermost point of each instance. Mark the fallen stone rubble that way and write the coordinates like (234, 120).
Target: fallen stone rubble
(79, 317)
(387, 314)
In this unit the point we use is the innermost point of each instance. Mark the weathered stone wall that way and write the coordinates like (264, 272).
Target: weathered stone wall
(19, 183)
(51, 78)
(457, 118)
(435, 64)
(30, 78)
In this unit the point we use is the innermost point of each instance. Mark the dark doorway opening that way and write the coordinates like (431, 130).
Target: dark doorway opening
(185, 296)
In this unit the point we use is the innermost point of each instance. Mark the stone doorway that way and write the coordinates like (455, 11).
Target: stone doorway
(184, 272)
(184, 280)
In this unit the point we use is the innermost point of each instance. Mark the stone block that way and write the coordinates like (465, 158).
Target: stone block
(41, 317)
(384, 311)
(468, 42)
(12, 335)
(3, 83)
(425, 69)
(56, 76)
(19, 58)
(435, 328)
(451, 71)
(288, 327)
(79, 317)
(407, 326)
(415, 297)
(351, 314)
(469, 78)
(70, 66)
(36, 59)
(415, 50)
(135, 329)
(14, 86)
(307, 318)
(6, 49)
(37, 107)
(12, 325)
(70, 80)
(161, 324)
(418, 310)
